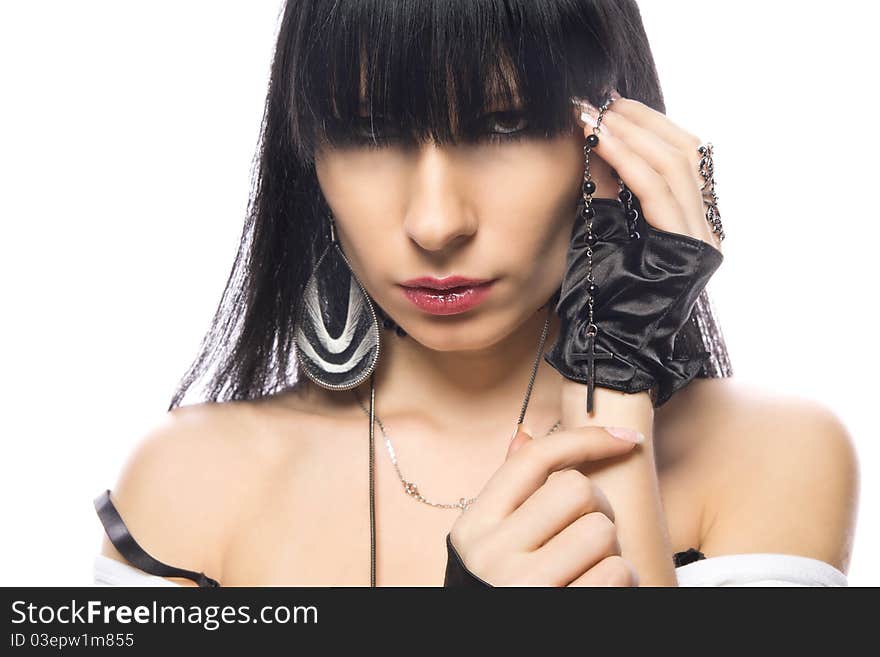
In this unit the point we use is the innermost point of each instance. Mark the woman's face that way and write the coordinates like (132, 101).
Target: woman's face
(490, 210)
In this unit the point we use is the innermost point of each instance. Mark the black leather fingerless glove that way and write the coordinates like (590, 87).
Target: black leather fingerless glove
(647, 288)
(457, 573)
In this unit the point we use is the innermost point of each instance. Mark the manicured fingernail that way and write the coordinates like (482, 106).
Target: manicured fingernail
(588, 119)
(584, 109)
(594, 124)
(614, 94)
(630, 435)
(589, 109)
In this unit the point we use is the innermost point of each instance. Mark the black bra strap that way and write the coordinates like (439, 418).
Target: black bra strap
(687, 556)
(128, 547)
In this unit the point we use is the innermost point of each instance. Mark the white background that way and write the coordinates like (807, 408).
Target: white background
(127, 132)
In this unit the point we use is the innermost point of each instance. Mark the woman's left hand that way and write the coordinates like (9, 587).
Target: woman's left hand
(645, 283)
(658, 161)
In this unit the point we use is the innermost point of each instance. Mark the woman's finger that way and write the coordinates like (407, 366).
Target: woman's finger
(611, 571)
(576, 549)
(659, 204)
(670, 162)
(658, 123)
(661, 125)
(562, 499)
(529, 467)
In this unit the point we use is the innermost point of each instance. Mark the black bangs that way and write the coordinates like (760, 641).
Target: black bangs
(433, 69)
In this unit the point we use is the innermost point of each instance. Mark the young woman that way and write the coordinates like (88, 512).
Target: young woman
(470, 222)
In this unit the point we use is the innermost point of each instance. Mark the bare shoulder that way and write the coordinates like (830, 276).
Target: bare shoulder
(783, 473)
(190, 476)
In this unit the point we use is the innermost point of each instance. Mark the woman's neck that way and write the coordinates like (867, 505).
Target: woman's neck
(467, 392)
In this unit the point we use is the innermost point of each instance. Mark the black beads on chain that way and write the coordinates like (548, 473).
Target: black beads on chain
(588, 328)
(631, 213)
(588, 212)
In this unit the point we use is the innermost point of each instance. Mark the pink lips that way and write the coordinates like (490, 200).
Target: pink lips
(444, 283)
(446, 296)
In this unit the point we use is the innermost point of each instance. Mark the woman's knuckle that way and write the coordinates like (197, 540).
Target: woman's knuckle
(658, 185)
(531, 449)
(681, 162)
(479, 557)
(603, 534)
(633, 576)
(464, 533)
(617, 572)
(610, 542)
(499, 565)
(601, 523)
(575, 481)
(585, 492)
(576, 487)
(458, 533)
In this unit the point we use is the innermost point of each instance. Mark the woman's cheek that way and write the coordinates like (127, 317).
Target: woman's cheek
(353, 195)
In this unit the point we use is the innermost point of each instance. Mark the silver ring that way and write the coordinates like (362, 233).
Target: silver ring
(710, 198)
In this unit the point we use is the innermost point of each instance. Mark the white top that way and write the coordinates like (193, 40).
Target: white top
(759, 569)
(110, 572)
(752, 569)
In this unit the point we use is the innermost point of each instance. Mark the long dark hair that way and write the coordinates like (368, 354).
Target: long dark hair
(430, 66)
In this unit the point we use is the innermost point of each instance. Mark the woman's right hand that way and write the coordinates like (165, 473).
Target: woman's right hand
(539, 521)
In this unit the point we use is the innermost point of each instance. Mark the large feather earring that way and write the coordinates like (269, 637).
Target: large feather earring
(337, 332)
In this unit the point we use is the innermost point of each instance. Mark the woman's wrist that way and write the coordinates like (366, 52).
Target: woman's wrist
(631, 484)
(612, 408)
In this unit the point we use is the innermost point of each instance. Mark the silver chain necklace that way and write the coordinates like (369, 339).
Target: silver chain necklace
(463, 503)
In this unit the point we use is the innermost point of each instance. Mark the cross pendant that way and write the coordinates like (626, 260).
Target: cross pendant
(590, 356)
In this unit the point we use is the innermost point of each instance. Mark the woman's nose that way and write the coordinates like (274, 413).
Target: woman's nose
(438, 213)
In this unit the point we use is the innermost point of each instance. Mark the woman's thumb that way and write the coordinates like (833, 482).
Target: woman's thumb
(519, 439)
